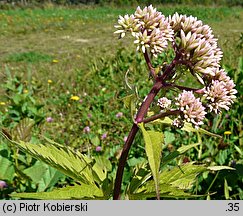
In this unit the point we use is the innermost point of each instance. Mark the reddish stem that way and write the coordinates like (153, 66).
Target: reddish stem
(159, 83)
(139, 118)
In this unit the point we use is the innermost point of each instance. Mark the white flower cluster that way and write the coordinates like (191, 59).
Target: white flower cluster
(196, 47)
(149, 27)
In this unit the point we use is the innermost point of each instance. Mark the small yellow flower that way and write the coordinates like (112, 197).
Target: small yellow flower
(2, 103)
(49, 81)
(227, 133)
(78, 56)
(25, 91)
(75, 98)
(54, 61)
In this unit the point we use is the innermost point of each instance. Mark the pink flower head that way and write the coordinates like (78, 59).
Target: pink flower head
(3, 184)
(98, 148)
(119, 115)
(86, 129)
(104, 136)
(49, 119)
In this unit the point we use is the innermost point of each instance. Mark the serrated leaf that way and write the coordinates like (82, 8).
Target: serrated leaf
(173, 183)
(6, 169)
(182, 177)
(153, 147)
(166, 191)
(217, 168)
(83, 191)
(64, 159)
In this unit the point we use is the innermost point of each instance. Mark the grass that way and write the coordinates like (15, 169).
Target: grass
(49, 55)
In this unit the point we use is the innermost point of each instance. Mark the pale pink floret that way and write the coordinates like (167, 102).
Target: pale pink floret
(191, 107)
(220, 93)
(164, 103)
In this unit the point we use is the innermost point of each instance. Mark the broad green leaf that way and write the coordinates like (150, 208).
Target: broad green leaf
(6, 169)
(50, 178)
(43, 175)
(153, 147)
(82, 191)
(36, 171)
(217, 168)
(64, 159)
(134, 161)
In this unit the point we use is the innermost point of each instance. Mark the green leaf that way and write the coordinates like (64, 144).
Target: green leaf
(169, 137)
(173, 183)
(226, 190)
(36, 171)
(185, 148)
(153, 147)
(140, 176)
(95, 140)
(187, 127)
(101, 167)
(166, 191)
(217, 168)
(6, 169)
(46, 176)
(83, 191)
(71, 163)
(50, 178)
(129, 102)
(183, 176)
(178, 152)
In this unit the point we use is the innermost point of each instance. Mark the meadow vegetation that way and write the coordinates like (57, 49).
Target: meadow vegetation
(64, 69)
